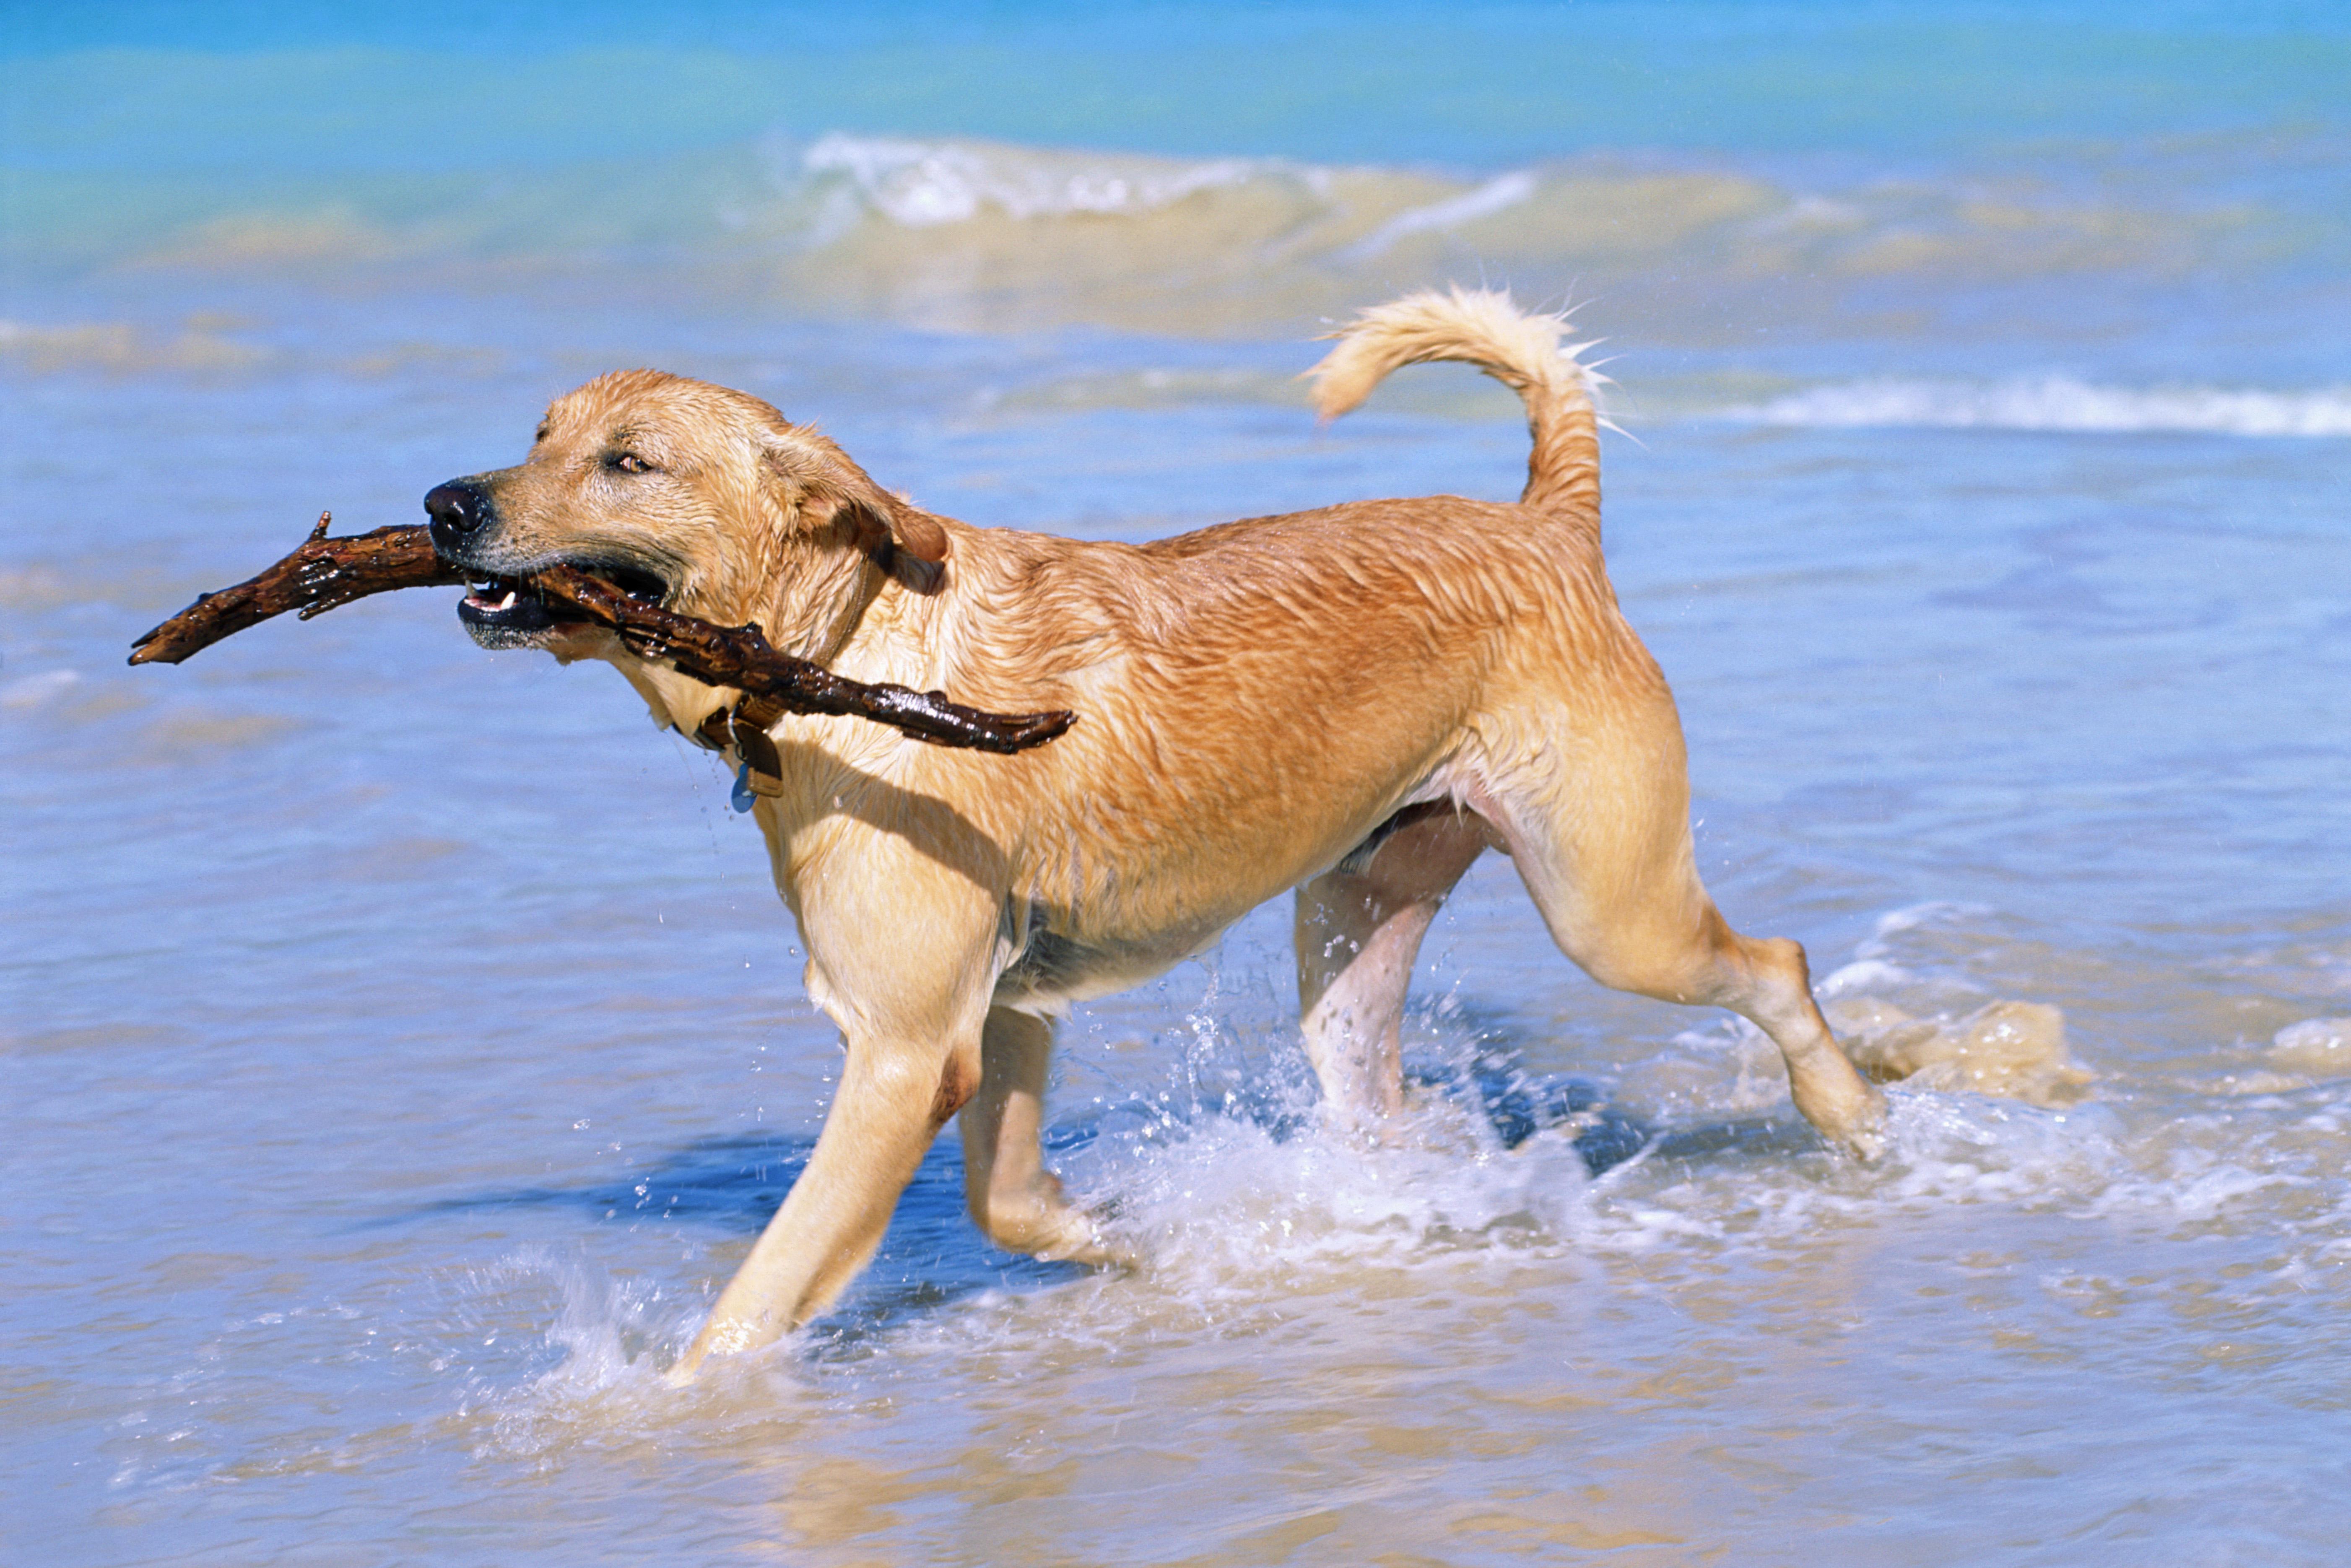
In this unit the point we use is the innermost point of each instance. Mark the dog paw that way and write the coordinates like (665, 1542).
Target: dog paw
(1091, 1241)
(1863, 1133)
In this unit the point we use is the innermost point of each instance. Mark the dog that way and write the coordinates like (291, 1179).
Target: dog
(1353, 702)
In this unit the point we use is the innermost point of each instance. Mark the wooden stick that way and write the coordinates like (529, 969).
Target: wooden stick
(739, 656)
(324, 573)
(320, 575)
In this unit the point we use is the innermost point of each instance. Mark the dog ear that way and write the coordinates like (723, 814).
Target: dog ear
(831, 485)
(918, 533)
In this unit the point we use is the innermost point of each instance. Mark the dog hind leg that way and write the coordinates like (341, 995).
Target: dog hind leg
(1358, 930)
(1604, 850)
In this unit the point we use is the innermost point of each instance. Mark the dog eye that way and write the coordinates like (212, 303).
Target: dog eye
(630, 463)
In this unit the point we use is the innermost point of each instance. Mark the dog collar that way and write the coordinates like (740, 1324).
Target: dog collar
(743, 729)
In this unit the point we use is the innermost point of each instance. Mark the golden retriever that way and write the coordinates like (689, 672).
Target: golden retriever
(1353, 702)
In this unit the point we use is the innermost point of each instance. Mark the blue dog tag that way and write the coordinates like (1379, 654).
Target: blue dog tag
(743, 796)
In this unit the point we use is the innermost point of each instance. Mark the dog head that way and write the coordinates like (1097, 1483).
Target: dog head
(701, 499)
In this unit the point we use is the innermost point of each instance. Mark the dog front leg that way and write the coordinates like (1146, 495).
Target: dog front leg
(1013, 1198)
(893, 1100)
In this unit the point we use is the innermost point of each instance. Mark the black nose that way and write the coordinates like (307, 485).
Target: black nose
(460, 509)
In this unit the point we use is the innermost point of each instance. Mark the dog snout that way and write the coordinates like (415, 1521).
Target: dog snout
(460, 509)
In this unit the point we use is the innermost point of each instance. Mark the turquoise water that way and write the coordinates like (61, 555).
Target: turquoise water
(401, 1043)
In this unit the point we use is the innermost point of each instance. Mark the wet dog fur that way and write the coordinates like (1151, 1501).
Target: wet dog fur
(1353, 703)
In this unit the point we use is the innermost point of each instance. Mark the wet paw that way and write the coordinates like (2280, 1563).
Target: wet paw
(1863, 1134)
(1093, 1242)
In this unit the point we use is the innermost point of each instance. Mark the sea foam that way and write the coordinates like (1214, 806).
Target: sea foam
(925, 184)
(2058, 403)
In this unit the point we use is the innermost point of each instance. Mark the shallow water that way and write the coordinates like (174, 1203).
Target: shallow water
(402, 1043)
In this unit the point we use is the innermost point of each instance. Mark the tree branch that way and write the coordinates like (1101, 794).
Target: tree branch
(323, 573)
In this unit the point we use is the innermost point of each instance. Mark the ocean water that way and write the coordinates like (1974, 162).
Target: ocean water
(400, 1044)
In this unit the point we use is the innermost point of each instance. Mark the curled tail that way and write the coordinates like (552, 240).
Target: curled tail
(1521, 352)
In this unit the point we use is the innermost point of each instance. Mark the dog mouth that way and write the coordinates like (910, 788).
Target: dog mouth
(509, 609)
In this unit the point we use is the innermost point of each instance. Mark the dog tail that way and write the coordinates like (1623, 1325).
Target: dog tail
(1521, 352)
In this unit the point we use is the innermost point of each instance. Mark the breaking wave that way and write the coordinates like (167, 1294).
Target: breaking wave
(971, 234)
(924, 184)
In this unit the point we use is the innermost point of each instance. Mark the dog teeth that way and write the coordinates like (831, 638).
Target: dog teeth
(505, 603)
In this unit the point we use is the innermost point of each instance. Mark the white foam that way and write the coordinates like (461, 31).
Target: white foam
(2319, 1046)
(1495, 196)
(586, 1361)
(1971, 1148)
(2194, 1185)
(1910, 918)
(1814, 212)
(1864, 974)
(1942, 1150)
(2058, 403)
(925, 184)
(1226, 1202)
